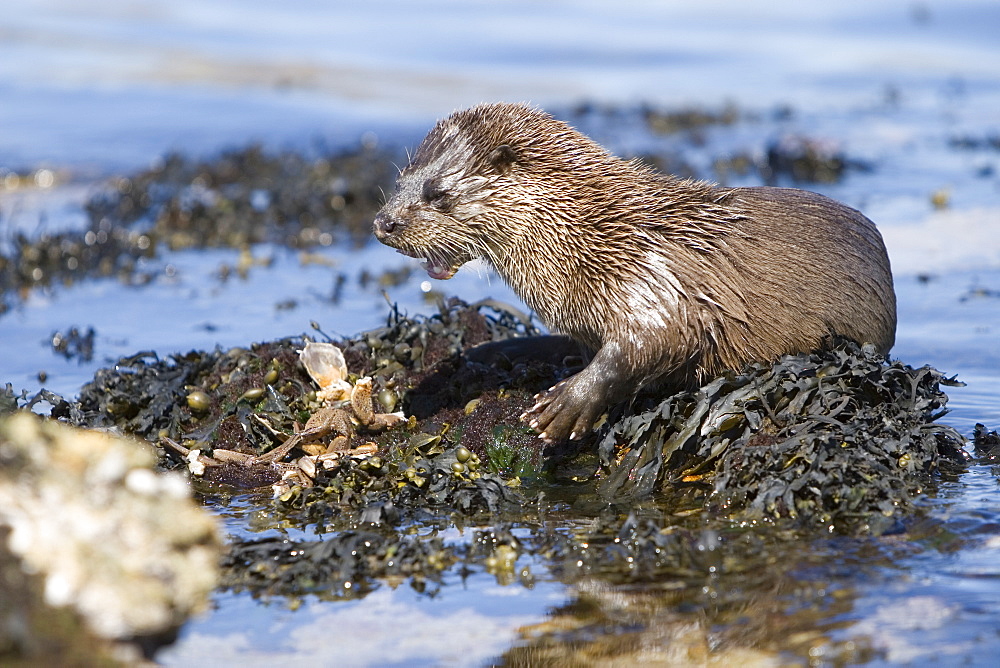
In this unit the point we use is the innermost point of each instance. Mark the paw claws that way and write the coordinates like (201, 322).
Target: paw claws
(543, 436)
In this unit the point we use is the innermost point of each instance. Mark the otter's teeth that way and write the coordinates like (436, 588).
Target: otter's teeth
(437, 271)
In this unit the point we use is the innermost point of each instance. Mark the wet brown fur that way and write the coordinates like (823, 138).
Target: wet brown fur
(664, 278)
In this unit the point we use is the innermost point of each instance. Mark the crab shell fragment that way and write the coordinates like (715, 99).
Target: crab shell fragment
(325, 364)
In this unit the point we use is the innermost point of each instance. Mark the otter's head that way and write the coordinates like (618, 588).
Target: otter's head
(444, 210)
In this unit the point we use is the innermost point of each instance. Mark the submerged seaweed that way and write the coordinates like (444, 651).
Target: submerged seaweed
(986, 444)
(341, 566)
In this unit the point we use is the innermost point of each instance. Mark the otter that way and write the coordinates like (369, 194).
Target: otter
(665, 280)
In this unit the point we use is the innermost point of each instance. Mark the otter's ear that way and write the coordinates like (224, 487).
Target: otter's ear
(502, 157)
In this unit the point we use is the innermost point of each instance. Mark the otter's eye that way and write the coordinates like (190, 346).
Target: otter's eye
(435, 195)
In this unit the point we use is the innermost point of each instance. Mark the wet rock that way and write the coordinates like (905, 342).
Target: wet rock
(108, 538)
(34, 634)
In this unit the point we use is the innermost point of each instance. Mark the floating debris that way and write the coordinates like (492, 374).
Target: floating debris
(74, 344)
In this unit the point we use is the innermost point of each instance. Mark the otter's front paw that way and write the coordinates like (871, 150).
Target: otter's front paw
(559, 413)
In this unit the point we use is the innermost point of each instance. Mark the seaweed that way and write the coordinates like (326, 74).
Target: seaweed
(392, 489)
(341, 566)
(240, 198)
(986, 444)
(74, 343)
(834, 438)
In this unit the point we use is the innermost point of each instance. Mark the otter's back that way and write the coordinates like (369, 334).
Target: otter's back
(819, 265)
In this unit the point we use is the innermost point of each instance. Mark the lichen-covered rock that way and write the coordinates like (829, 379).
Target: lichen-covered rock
(123, 545)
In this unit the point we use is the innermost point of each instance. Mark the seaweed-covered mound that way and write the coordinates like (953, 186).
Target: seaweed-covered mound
(838, 439)
(831, 438)
(246, 403)
(835, 440)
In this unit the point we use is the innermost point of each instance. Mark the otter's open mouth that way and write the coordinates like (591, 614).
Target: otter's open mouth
(438, 272)
(435, 268)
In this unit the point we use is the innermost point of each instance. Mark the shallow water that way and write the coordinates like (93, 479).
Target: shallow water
(89, 89)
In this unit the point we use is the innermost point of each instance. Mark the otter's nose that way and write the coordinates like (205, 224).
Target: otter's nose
(384, 225)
